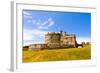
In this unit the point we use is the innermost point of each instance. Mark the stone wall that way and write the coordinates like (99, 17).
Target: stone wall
(38, 46)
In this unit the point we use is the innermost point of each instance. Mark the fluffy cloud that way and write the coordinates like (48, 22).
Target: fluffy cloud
(46, 24)
(42, 24)
(32, 34)
(27, 14)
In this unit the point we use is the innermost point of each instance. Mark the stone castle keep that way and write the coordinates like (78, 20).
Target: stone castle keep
(54, 40)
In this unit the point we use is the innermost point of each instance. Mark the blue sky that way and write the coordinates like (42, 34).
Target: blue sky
(38, 23)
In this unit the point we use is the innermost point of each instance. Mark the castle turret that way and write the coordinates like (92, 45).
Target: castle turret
(53, 39)
(61, 32)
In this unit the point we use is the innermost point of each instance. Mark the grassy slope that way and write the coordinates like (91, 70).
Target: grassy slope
(57, 54)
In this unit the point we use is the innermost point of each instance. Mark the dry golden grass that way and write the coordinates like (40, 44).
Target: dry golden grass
(57, 54)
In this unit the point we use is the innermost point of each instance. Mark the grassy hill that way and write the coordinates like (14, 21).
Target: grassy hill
(57, 54)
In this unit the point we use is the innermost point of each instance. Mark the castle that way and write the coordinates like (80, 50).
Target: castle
(55, 40)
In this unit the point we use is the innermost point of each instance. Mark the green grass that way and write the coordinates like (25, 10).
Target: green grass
(57, 54)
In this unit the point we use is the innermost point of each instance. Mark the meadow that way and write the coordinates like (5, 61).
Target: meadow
(82, 53)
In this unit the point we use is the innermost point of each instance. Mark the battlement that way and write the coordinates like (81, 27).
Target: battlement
(61, 33)
(53, 33)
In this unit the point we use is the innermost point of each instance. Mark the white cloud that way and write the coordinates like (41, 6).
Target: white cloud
(26, 16)
(28, 42)
(83, 39)
(27, 36)
(26, 13)
(46, 24)
(31, 34)
(42, 24)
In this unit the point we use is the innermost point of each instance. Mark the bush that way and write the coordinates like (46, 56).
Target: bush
(70, 46)
(26, 47)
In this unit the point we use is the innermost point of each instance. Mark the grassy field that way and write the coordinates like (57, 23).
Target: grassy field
(57, 54)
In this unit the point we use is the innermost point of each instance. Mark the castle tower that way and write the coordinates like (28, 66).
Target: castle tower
(68, 40)
(61, 32)
(53, 39)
